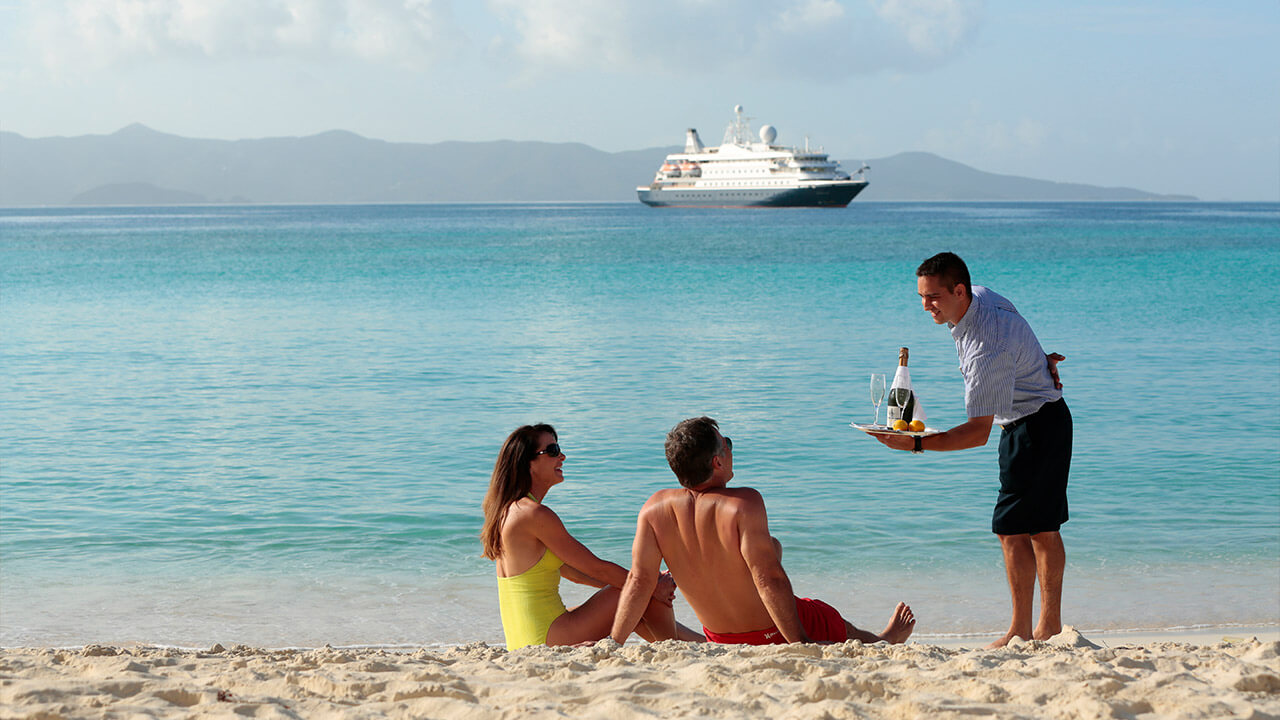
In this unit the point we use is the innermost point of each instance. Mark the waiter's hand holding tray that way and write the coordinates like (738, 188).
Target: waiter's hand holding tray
(886, 430)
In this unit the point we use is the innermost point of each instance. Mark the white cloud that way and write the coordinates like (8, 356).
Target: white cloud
(933, 28)
(74, 34)
(696, 38)
(564, 32)
(811, 38)
(810, 15)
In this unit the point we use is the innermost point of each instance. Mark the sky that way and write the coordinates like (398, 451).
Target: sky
(1175, 96)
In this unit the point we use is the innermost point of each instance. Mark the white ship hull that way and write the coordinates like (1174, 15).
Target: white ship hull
(833, 194)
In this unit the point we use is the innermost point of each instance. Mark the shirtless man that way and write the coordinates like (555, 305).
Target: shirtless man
(716, 543)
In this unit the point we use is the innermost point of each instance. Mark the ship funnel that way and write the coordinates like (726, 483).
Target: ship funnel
(692, 143)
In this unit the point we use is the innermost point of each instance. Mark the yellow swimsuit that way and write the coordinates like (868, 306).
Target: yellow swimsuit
(530, 602)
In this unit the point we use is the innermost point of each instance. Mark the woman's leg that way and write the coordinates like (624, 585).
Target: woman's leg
(593, 619)
(657, 623)
(590, 621)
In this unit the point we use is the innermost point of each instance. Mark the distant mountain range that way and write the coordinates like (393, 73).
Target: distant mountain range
(140, 166)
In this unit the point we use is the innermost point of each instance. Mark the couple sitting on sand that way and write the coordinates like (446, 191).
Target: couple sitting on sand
(714, 539)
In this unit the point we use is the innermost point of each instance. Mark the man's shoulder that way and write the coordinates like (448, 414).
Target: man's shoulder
(989, 299)
(666, 494)
(742, 493)
(732, 498)
(736, 499)
(991, 318)
(661, 499)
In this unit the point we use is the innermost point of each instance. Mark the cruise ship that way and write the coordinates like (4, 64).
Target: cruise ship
(746, 171)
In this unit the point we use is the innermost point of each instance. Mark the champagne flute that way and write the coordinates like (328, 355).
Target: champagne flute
(901, 398)
(877, 394)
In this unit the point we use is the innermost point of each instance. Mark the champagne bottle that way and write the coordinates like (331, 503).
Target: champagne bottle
(902, 400)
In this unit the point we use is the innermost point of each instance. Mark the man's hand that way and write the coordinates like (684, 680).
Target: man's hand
(665, 592)
(897, 442)
(1053, 359)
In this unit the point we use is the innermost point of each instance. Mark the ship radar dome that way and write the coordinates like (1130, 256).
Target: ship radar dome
(737, 109)
(768, 134)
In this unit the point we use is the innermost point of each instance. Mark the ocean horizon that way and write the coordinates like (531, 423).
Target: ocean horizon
(273, 425)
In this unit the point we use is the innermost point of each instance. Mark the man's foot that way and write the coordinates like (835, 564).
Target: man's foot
(900, 626)
(1044, 633)
(1009, 636)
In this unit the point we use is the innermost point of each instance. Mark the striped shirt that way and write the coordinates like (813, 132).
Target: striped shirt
(1004, 367)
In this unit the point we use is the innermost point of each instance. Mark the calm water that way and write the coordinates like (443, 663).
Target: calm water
(275, 425)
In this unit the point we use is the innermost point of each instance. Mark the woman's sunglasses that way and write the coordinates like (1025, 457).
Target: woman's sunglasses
(553, 450)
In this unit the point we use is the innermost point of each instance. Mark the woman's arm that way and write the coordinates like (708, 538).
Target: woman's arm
(584, 566)
(569, 572)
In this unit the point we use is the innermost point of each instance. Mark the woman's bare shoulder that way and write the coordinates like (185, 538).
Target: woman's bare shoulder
(526, 513)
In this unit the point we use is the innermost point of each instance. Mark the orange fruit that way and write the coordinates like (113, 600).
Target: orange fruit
(900, 424)
(917, 426)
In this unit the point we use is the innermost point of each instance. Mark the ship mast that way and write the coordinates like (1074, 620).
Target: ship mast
(739, 131)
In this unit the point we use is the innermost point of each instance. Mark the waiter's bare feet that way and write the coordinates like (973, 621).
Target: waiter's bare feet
(1009, 636)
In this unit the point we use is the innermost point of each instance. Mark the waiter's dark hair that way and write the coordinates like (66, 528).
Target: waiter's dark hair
(948, 267)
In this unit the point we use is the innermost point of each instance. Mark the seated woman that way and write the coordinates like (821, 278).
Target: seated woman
(533, 550)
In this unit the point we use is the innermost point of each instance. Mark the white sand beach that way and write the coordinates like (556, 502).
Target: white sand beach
(1067, 677)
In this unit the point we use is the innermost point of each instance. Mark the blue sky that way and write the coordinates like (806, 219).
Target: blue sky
(1170, 97)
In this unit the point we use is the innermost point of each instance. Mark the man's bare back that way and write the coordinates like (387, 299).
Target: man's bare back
(705, 537)
(715, 541)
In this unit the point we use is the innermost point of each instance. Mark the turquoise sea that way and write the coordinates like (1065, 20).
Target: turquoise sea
(274, 425)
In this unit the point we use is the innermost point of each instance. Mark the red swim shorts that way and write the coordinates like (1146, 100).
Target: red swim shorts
(820, 621)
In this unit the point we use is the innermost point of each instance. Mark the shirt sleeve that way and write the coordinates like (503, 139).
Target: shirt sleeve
(988, 372)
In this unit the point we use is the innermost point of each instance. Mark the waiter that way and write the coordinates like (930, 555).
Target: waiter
(1008, 381)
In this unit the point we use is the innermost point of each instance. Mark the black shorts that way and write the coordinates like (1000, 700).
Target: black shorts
(1035, 458)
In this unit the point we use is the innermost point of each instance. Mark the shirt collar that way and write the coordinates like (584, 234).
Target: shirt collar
(959, 329)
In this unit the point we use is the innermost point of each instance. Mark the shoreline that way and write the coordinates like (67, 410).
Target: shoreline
(1074, 675)
(1189, 635)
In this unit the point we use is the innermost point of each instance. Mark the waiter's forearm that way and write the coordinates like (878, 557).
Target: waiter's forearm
(972, 433)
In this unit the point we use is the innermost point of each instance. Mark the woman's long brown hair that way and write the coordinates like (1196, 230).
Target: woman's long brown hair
(511, 481)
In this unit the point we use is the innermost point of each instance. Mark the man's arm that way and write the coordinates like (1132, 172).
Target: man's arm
(646, 564)
(772, 583)
(972, 433)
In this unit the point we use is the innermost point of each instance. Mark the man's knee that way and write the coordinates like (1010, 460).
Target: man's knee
(1015, 541)
(1047, 540)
